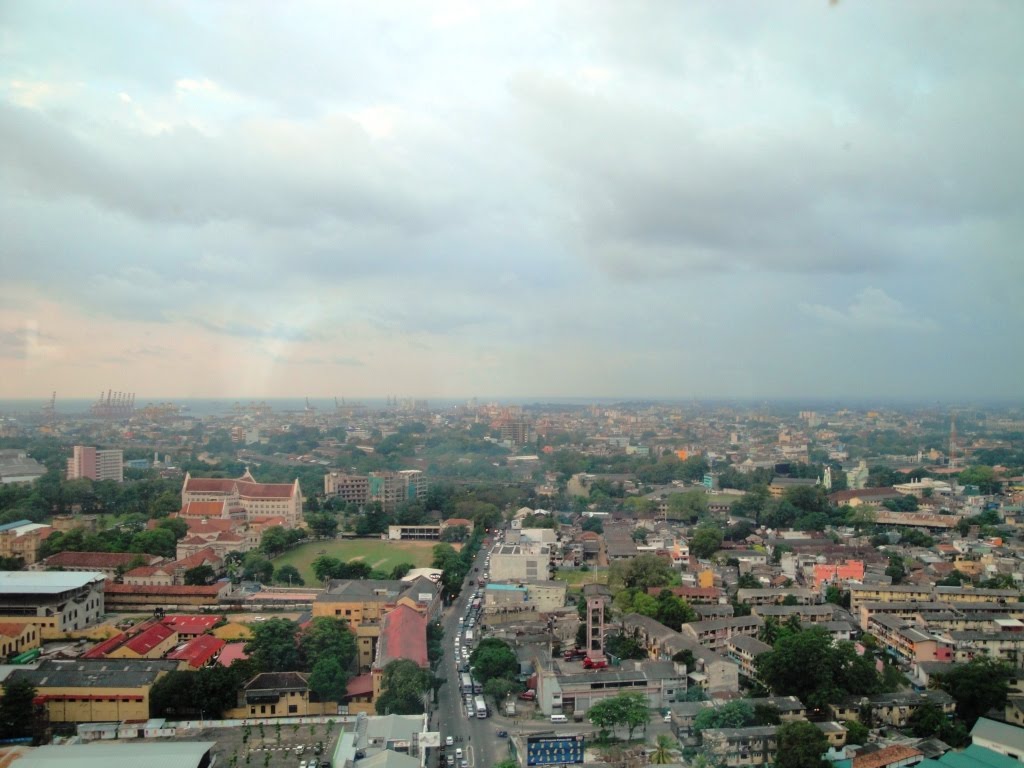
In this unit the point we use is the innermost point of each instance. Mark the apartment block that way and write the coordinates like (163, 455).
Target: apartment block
(56, 602)
(89, 462)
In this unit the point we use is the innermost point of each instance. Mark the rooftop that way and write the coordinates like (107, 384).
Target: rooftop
(45, 582)
(100, 754)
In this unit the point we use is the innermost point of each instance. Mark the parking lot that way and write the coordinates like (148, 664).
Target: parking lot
(271, 746)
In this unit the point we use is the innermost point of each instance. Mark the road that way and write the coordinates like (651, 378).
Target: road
(477, 738)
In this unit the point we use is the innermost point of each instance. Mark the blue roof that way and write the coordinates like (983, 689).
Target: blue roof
(506, 587)
(15, 524)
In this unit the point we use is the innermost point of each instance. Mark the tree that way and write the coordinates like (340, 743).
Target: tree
(800, 745)
(623, 646)
(403, 685)
(328, 680)
(500, 688)
(834, 594)
(981, 476)
(766, 714)
(175, 525)
(735, 714)
(856, 732)
(593, 524)
(809, 666)
(641, 572)
(157, 541)
(689, 506)
(896, 570)
(274, 646)
(16, 708)
(673, 611)
(927, 720)
(636, 711)
(978, 686)
(207, 692)
(607, 714)
(706, 541)
(201, 574)
(274, 541)
(323, 525)
(256, 567)
(664, 746)
(326, 637)
(494, 658)
(289, 574)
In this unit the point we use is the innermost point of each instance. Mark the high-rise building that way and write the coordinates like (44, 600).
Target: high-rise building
(96, 464)
(389, 488)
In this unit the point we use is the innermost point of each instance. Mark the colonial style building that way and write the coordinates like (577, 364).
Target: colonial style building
(245, 498)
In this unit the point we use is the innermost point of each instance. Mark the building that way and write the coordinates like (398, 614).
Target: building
(539, 596)
(661, 682)
(512, 562)
(1002, 738)
(150, 640)
(110, 564)
(279, 694)
(838, 573)
(775, 596)
(100, 690)
(16, 466)
(906, 641)
(173, 573)
(414, 532)
(133, 597)
(894, 756)
(246, 498)
(122, 754)
(199, 651)
(22, 539)
(893, 709)
(744, 650)
(403, 635)
(388, 488)
(88, 462)
(56, 602)
(757, 745)
(364, 603)
(16, 638)
(714, 633)
(779, 485)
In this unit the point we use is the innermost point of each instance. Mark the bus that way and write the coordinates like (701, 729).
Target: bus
(467, 683)
(477, 688)
(481, 708)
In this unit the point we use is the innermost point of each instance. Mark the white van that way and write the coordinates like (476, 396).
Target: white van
(559, 719)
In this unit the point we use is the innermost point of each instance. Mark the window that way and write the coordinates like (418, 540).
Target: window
(293, 708)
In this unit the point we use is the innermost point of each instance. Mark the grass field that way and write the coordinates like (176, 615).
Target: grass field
(383, 555)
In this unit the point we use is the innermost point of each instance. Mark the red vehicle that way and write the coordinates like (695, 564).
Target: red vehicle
(574, 654)
(589, 663)
(530, 695)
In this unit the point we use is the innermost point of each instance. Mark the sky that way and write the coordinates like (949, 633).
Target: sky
(512, 198)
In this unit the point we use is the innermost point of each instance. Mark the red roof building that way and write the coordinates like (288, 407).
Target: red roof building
(199, 651)
(190, 626)
(403, 635)
(231, 653)
(109, 564)
(246, 497)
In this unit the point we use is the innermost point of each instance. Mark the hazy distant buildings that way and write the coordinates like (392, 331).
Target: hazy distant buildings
(96, 464)
(16, 466)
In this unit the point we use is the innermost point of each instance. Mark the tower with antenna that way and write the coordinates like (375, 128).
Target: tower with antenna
(952, 441)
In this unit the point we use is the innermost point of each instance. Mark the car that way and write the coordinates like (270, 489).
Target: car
(451, 761)
(318, 749)
(448, 741)
(530, 695)
(667, 717)
(502, 734)
(314, 763)
(458, 751)
(303, 764)
(464, 764)
(300, 749)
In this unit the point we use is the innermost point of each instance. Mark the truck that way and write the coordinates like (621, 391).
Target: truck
(592, 663)
(480, 706)
(510, 708)
(469, 636)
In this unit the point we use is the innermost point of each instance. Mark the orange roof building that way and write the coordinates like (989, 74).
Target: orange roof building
(838, 573)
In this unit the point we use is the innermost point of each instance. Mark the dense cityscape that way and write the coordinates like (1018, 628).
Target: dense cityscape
(490, 584)
(511, 384)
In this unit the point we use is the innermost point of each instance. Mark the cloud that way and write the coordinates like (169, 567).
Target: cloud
(872, 309)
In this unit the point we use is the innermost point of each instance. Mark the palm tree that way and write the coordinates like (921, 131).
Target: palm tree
(663, 749)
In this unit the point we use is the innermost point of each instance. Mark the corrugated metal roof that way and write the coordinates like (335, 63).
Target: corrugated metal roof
(157, 754)
(45, 582)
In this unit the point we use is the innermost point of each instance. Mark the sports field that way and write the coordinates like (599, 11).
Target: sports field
(382, 555)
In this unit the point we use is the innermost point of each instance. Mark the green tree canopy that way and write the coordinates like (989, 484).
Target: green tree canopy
(494, 658)
(274, 646)
(327, 638)
(705, 541)
(16, 709)
(201, 574)
(289, 575)
(328, 679)
(403, 686)
(978, 686)
(735, 714)
(800, 745)
(809, 666)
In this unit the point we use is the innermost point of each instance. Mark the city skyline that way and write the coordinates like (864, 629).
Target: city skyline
(527, 199)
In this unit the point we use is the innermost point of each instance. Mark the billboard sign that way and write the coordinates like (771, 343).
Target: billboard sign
(554, 750)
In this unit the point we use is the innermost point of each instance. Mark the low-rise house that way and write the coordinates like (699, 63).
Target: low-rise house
(130, 597)
(56, 602)
(776, 596)
(714, 633)
(199, 651)
(16, 638)
(744, 650)
(892, 709)
(756, 745)
(279, 694)
(110, 564)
